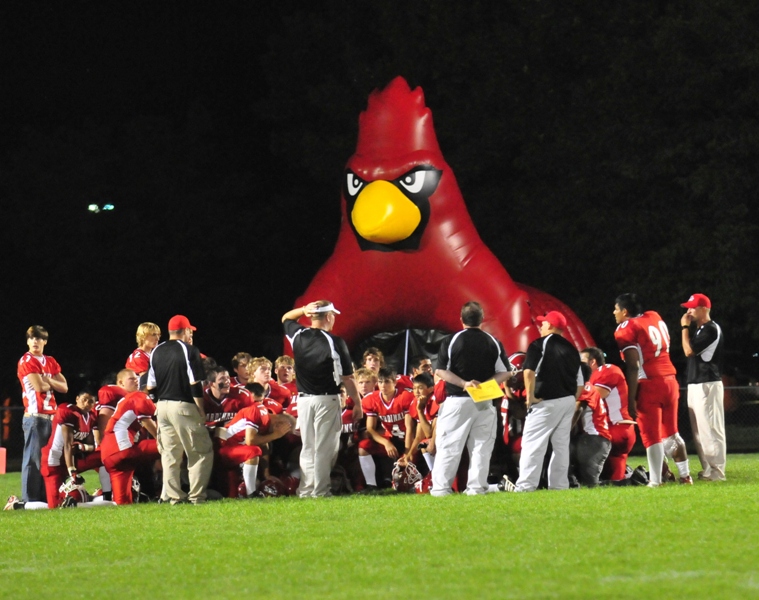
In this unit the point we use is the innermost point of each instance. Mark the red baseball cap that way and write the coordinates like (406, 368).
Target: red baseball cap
(555, 318)
(697, 300)
(178, 322)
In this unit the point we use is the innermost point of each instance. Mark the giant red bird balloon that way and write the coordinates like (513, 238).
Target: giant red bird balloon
(408, 254)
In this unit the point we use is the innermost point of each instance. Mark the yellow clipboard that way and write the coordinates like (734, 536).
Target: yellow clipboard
(489, 390)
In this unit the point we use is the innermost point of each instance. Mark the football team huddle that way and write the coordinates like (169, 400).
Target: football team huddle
(251, 416)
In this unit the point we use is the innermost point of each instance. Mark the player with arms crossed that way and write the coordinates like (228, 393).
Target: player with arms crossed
(653, 393)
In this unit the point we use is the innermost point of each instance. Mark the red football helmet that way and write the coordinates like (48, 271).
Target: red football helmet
(425, 485)
(516, 381)
(291, 484)
(272, 488)
(405, 478)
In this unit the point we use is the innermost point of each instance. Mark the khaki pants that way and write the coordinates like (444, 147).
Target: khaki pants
(181, 431)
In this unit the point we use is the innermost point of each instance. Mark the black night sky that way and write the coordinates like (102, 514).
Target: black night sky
(599, 150)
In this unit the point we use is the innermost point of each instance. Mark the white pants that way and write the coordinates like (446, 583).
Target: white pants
(707, 419)
(320, 424)
(462, 422)
(547, 421)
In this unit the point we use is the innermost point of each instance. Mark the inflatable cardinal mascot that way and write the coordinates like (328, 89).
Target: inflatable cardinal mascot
(408, 254)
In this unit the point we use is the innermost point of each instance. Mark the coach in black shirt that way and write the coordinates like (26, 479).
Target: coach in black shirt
(175, 379)
(553, 381)
(705, 392)
(322, 363)
(465, 360)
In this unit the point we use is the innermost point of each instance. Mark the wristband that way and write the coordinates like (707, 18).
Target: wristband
(684, 326)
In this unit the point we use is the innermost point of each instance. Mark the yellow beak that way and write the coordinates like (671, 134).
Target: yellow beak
(382, 214)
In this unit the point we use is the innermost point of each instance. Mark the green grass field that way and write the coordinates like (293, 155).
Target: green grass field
(676, 541)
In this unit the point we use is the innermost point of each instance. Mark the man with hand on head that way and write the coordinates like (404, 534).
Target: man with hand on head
(704, 349)
(553, 382)
(322, 363)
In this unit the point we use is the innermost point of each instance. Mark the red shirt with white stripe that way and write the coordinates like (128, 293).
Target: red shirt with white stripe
(138, 361)
(596, 420)
(391, 414)
(67, 415)
(648, 335)
(45, 366)
(610, 377)
(125, 422)
(253, 417)
(222, 410)
(109, 396)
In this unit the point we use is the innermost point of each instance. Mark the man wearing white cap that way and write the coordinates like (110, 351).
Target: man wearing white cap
(704, 350)
(553, 381)
(322, 363)
(176, 379)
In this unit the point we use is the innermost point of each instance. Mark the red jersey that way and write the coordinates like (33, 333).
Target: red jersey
(404, 382)
(648, 335)
(252, 417)
(279, 393)
(347, 415)
(236, 382)
(610, 377)
(125, 422)
(220, 411)
(430, 409)
(272, 406)
(67, 415)
(109, 396)
(138, 361)
(391, 414)
(596, 420)
(292, 387)
(45, 366)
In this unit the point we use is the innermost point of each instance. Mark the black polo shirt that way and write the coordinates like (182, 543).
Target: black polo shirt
(174, 366)
(321, 359)
(706, 363)
(472, 354)
(556, 363)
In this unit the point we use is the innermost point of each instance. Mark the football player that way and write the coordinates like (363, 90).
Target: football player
(653, 392)
(71, 447)
(122, 450)
(611, 385)
(241, 441)
(389, 426)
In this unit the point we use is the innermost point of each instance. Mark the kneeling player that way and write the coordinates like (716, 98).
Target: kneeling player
(71, 447)
(594, 443)
(122, 450)
(242, 439)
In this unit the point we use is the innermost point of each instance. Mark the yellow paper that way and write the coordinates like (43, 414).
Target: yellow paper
(486, 391)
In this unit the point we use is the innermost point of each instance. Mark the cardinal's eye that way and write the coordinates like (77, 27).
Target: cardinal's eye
(414, 181)
(354, 184)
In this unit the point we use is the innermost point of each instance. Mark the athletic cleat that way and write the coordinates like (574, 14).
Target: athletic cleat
(687, 480)
(506, 485)
(13, 503)
(651, 484)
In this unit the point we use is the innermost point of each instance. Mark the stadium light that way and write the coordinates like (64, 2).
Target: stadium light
(107, 206)
(93, 208)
